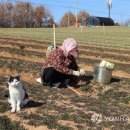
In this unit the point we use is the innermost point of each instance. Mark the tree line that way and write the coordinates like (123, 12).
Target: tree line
(24, 14)
(69, 19)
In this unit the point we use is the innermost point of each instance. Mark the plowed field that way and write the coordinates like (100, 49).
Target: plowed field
(63, 109)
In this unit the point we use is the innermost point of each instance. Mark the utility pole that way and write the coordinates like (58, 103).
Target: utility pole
(109, 4)
(121, 18)
(68, 16)
(109, 11)
(76, 13)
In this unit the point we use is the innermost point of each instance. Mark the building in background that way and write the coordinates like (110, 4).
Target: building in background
(97, 21)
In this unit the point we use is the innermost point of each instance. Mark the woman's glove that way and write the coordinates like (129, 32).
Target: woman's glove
(82, 72)
(76, 73)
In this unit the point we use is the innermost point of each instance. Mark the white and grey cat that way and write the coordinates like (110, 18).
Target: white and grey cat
(17, 95)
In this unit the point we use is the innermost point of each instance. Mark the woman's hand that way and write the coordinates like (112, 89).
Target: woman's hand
(82, 72)
(76, 73)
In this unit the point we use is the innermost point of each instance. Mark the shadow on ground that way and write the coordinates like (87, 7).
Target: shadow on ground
(33, 104)
(113, 80)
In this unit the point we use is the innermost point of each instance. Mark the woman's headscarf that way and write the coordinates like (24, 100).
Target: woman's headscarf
(70, 45)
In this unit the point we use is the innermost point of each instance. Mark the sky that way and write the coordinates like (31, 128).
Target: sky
(120, 11)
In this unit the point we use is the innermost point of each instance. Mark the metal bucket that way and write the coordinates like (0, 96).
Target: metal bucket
(101, 74)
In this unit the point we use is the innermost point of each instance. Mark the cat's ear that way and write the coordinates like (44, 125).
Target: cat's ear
(18, 77)
(10, 78)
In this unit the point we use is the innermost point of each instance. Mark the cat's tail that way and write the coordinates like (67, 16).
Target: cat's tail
(25, 101)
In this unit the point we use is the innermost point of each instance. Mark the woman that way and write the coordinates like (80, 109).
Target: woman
(61, 64)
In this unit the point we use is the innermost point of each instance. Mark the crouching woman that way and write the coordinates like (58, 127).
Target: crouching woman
(61, 65)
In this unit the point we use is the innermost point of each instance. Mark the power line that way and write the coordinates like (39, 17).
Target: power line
(74, 8)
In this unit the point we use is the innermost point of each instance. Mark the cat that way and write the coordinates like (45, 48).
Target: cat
(17, 95)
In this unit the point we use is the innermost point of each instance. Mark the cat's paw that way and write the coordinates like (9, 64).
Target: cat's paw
(18, 109)
(13, 110)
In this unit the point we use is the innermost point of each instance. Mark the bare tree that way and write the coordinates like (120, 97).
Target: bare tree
(39, 14)
(19, 14)
(23, 14)
(48, 19)
(64, 20)
(9, 14)
(29, 15)
(2, 12)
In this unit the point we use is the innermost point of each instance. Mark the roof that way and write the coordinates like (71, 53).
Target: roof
(96, 21)
(106, 21)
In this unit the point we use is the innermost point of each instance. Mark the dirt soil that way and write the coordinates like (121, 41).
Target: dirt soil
(63, 109)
